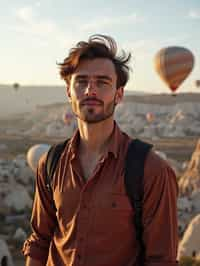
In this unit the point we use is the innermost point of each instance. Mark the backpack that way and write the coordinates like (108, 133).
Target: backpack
(134, 172)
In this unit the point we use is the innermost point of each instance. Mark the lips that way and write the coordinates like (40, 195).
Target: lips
(91, 102)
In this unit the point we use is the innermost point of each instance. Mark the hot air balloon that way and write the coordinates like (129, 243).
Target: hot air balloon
(16, 86)
(174, 64)
(67, 118)
(34, 154)
(150, 117)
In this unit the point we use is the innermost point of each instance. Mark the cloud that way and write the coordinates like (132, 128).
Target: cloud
(141, 48)
(45, 32)
(30, 21)
(194, 14)
(25, 14)
(40, 29)
(103, 22)
(38, 4)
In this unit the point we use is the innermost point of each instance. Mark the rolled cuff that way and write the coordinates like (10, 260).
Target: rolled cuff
(35, 251)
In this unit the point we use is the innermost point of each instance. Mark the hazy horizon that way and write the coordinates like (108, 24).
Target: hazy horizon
(26, 98)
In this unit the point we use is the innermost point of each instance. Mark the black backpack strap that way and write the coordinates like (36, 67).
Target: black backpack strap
(53, 156)
(134, 172)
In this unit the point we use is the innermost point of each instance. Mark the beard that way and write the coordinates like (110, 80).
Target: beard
(94, 114)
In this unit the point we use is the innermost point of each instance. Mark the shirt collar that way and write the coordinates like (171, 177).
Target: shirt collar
(114, 142)
(113, 146)
(73, 143)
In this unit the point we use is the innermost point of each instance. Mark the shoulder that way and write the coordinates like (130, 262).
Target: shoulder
(154, 163)
(41, 170)
(42, 163)
(55, 152)
(158, 172)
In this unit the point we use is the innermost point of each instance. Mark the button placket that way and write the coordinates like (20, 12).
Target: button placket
(82, 224)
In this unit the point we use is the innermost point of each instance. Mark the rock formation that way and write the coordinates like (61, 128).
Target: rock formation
(190, 181)
(190, 244)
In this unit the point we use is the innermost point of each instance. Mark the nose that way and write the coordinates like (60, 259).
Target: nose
(91, 88)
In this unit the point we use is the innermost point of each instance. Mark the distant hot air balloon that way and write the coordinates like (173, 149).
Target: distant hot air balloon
(16, 86)
(67, 118)
(174, 64)
(150, 117)
(34, 154)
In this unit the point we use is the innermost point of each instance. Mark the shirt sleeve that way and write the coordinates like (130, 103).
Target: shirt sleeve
(160, 234)
(43, 219)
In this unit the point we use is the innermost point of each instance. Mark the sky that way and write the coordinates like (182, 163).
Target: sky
(35, 35)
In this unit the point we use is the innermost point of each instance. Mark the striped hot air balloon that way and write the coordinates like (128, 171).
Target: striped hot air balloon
(174, 64)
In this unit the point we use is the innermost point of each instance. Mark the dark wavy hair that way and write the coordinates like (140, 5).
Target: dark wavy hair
(98, 46)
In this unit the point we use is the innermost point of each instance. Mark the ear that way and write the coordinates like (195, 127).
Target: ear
(119, 95)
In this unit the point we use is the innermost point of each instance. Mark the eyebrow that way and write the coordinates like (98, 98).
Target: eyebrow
(98, 76)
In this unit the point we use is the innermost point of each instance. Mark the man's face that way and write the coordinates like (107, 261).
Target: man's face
(92, 90)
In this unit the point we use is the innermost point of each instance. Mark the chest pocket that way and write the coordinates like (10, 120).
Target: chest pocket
(113, 212)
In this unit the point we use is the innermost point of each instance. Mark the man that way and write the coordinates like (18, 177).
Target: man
(92, 224)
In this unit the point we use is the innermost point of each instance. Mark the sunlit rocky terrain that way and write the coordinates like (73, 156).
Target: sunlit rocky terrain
(171, 123)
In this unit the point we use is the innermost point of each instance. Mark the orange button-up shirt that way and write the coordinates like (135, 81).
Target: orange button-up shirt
(93, 221)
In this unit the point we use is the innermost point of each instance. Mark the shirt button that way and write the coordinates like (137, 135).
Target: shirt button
(114, 205)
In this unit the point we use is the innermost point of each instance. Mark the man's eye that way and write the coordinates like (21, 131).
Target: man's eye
(102, 82)
(81, 82)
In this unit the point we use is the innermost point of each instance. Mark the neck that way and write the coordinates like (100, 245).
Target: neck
(94, 137)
